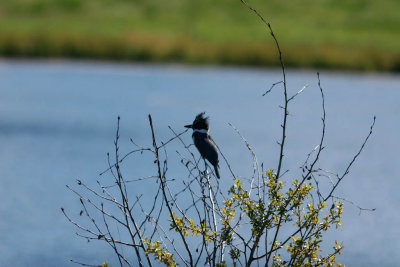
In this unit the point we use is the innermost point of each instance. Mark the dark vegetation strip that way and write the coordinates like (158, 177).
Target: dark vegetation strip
(185, 50)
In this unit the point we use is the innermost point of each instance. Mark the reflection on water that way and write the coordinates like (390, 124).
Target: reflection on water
(57, 122)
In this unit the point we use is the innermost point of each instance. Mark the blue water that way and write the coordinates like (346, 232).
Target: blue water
(57, 122)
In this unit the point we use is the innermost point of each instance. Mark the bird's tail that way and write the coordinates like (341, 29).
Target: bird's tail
(216, 171)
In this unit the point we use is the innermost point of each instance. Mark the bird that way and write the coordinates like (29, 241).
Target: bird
(203, 141)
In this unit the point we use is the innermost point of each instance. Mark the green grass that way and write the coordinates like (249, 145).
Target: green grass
(353, 34)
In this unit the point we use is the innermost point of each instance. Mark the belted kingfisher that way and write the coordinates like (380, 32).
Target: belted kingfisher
(203, 141)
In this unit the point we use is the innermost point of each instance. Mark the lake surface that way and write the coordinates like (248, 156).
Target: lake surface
(58, 121)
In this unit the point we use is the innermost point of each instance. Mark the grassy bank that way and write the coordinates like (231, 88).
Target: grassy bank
(357, 34)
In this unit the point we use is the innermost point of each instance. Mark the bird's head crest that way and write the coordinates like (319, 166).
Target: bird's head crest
(201, 122)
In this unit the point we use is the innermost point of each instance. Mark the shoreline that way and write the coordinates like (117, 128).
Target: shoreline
(363, 62)
(105, 64)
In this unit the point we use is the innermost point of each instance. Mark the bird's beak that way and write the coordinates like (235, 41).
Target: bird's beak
(188, 126)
